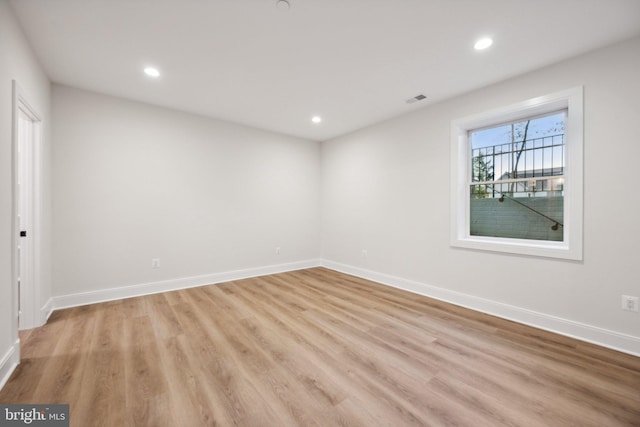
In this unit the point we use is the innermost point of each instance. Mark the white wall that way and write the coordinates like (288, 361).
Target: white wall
(134, 182)
(17, 62)
(385, 189)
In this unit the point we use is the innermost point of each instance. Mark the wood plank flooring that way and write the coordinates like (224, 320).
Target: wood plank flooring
(315, 348)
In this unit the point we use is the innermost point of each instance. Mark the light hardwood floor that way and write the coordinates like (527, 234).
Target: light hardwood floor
(315, 348)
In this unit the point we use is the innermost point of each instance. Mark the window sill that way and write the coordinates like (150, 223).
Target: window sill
(560, 250)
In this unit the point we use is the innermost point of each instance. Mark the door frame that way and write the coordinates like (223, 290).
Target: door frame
(30, 289)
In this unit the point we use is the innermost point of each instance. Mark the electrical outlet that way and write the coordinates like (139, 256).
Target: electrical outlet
(365, 254)
(629, 303)
(277, 250)
(155, 263)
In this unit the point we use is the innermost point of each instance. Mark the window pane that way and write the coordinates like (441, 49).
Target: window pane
(526, 209)
(527, 148)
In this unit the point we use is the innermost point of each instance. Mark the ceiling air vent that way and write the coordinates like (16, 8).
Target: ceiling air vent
(416, 99)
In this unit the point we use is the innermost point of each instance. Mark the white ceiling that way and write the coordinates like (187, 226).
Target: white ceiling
(354, 62)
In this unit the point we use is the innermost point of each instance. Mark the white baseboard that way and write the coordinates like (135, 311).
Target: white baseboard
(593, 334)
(116, 293)
(9, 362)
(46, 311)
(584, 332)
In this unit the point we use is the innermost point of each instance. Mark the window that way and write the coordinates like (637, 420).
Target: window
(517, 178)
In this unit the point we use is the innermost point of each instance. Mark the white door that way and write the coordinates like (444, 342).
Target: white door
(26, 144)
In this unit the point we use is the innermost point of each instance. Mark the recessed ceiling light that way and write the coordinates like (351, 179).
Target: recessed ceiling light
(316, 119)
(283, 5)
(152, 72)
(483, 43)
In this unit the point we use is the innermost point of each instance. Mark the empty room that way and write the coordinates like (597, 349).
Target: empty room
(319, 213)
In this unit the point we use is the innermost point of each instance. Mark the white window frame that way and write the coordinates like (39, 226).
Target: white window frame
(571, 246)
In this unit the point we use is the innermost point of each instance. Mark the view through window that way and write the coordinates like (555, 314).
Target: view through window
(517, 179)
